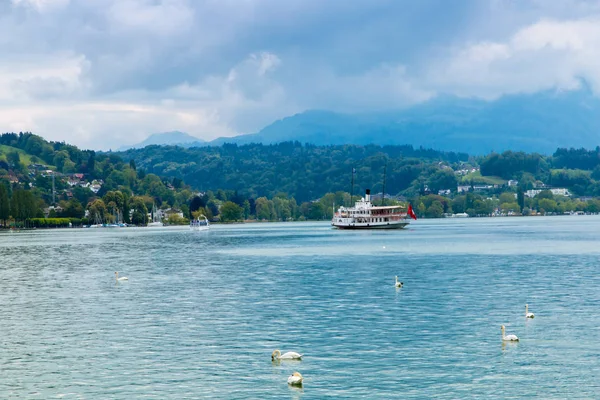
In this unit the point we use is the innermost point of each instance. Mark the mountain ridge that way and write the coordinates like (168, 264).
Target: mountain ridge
(171, 138)
(539, 122)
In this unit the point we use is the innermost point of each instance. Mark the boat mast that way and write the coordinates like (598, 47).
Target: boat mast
(383, 190)
(352, 190)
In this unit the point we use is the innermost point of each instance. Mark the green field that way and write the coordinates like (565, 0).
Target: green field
(476, 177)
(25, 157)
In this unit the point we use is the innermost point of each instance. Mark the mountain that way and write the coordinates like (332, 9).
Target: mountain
(167, 138)
(539, 122)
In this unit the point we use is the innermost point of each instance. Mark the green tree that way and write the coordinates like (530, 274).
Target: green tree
(97, 210)
(73, 209)
(14, 159)
(231, 212)
(442, 179)
(246, 209)
(140, 212)
(546, 205)
(421, 209)
(263, 211)
(23, 205)
(60, 157)
(521, 197)
(4, 204)
(435, 210)
(507, 197)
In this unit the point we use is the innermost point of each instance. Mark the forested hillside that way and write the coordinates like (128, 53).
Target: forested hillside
(305, 172)
(53, 184)
(41, 179)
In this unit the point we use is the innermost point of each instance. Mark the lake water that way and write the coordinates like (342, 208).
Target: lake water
(202, 311)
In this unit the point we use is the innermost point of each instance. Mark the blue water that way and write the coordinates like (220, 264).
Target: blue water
(202, 311)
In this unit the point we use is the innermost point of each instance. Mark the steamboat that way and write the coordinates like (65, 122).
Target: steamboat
(364, 215)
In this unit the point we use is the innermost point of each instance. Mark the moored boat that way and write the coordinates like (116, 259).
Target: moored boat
(199, 224)
(364, 215)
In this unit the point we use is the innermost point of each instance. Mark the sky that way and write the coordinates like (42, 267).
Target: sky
(103, 73)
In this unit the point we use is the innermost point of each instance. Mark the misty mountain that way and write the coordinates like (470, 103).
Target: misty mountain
(539, 122)
(174, 138)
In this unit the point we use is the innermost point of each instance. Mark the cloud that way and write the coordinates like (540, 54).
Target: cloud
(547, 54)
(101, 73)
(41, 5)
(42, 77)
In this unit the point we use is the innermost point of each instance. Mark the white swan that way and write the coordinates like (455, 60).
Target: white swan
(123, 278)
(508, 338)
(527, 313)
(398, 284)
(290, 355)
(295, 379)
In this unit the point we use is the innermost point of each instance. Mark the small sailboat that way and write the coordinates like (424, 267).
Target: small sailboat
(155, 218)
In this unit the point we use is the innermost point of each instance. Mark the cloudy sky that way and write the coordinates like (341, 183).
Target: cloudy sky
(102, 73)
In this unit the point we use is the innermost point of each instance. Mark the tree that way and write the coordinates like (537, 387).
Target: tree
(262, 209)
(23, 205)
(442, 179)
(231, 212)
(132, 164)
(140, 212)
(97, 210)
(507, 197)
(196, 203)
(246, 209)
(546, 205)
(60, 157)
(521, 197)
(4, 204)
(544, 194)
(435, 210)
(73, 209)
(14, 159)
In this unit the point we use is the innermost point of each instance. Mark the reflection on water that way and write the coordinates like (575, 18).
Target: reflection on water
(202, 311)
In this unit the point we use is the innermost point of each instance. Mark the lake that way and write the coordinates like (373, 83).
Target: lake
(202, 311)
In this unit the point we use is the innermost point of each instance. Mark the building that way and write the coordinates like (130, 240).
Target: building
(555, 192)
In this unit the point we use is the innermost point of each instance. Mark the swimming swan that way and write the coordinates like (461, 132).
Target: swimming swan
(527, 313)
(508, 338)
(295, 379)
(398, 284)
(123, 278)
(290, 355)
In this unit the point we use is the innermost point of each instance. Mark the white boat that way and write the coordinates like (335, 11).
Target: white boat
(364, 215)
(199, 224)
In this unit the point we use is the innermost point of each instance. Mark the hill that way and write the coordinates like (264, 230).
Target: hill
(174, 138)
(540, 122)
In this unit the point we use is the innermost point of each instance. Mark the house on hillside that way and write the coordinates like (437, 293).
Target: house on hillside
(555, 192)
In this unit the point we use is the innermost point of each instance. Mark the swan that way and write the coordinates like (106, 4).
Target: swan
(295, 379)
(290, 355)
(527, 313)
(123, 278)
(508, 338)
(398, 284)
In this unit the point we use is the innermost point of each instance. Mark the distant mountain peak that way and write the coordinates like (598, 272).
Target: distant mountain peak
(532, 122)
(172, 138)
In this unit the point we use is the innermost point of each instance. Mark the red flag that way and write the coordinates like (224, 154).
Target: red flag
(411, 213)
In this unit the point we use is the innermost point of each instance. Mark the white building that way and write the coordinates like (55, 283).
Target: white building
(555, 192)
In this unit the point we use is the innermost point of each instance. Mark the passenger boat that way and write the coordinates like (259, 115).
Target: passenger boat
(199, 224)
(364, 215)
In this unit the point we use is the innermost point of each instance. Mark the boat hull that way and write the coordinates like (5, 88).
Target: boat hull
(400, 225)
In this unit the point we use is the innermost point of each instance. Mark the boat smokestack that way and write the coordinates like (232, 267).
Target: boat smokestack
(368, 195)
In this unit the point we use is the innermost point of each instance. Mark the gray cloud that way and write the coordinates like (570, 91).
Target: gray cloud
(100, 73)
